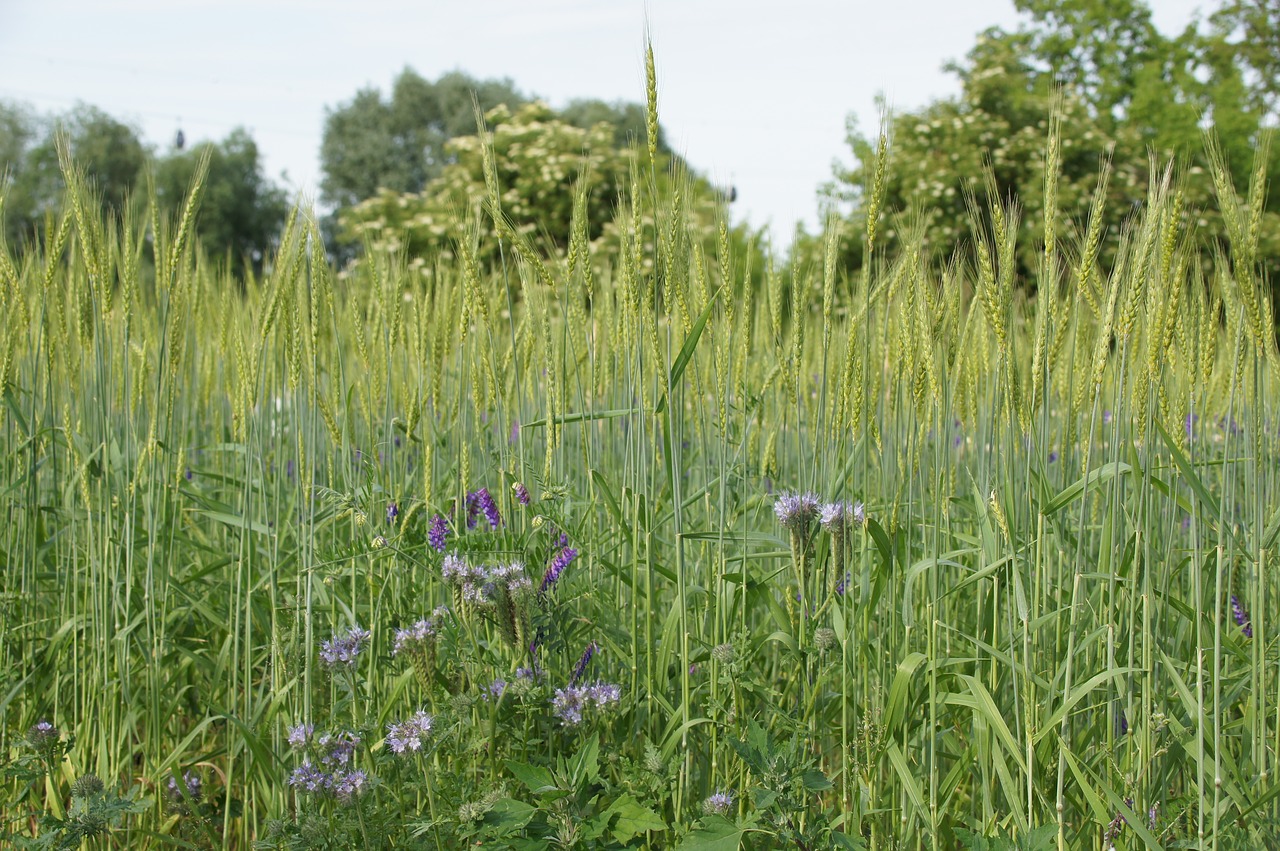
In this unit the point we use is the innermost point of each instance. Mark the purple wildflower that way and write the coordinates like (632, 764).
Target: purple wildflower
(1053, 457)
(796, 510)
(188, 474)
(497, 688)
(843, 585)
(337, 750)
(1241, 617)
(393, 511)
(570, 701)
(409, 638)
(348, 784)
(1122, 724)
(515, 432)
(557, 566)
(581, 668)
(453, 569)
(409, 735)
(479, 502)
(189, 789)
(1190, 423)
(42, 733)
(837, 517)
(522, 493)
(343, 650)
(719, 804)
(308, 778)
(1106, 417)
(300, 735)
(523, 673)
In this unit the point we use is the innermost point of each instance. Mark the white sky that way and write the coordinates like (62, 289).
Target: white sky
(754, 93)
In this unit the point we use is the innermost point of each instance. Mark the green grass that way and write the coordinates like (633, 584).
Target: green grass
(1037, 625)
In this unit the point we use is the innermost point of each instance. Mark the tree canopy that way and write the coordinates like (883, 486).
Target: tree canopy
(1123, 92)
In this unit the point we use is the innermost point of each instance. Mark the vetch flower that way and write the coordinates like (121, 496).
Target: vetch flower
(1241, 617)
(557, 566)
(581, 667)
(438, 533)
(522, 493)
(393, 511)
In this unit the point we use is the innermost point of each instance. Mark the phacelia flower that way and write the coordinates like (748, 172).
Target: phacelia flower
(190, 789)
(557, 566)
(347, 785)
(300, 735)
(343, 650)
(87, 786)
(796, 510)
(410, 734)
(570, 702)
(42, 735)
(309, 778)
(410, 638)
(718, 804)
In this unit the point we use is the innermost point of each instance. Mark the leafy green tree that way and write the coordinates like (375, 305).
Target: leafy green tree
(398, 144)
(241, 210)
(1122, 90)
(539, 161)
(110, 151)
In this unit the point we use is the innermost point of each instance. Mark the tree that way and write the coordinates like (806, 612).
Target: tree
(1122, 90)
(241, 210)
(371, 144)
(110, 151)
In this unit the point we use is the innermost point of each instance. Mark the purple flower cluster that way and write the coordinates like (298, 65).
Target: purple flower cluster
(838, 517)
(481, 502)
(438, 533)
(719, 804)
(300, 736)
(1115, 828)
(1241, 617)
(331, 773)
(796, 511)
(570, 702)
(557, 566)
(522, 493)
(393, 511)
(190, 789)
(481, 586)
(43, 736)
(412, 638)
(343, 650)
(581, 667)
(410, 734)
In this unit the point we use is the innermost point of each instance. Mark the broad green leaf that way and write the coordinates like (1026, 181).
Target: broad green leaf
(632, 819)
(716, 834)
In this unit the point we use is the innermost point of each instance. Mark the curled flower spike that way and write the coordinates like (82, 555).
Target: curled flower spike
(796, 510)
(718, 804)
(522, 493)
(410, 734)
(343, 650)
